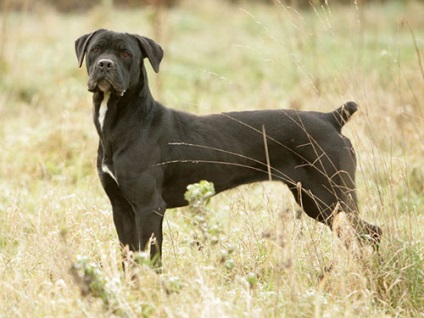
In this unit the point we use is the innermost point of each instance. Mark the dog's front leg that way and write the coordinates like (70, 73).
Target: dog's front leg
(123, 214)
(143, 193)
(138, 228)
(149, 230)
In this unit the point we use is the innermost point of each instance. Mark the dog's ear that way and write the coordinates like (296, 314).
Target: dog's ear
(151, 50)
(81, 45)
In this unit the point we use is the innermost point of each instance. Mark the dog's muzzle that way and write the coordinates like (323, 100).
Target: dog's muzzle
(104, 77)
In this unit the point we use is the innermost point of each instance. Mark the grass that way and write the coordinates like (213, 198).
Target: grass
(264, 259)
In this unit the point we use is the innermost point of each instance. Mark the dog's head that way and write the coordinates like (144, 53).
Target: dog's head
(115, 60)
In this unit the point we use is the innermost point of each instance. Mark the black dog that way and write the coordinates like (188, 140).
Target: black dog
(149, 153)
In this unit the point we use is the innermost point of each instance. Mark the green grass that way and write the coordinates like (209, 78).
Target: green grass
(262, 259)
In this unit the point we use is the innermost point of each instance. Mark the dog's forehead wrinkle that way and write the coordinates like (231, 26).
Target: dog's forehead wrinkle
(120, 44)
(116, 45)
(99, 41)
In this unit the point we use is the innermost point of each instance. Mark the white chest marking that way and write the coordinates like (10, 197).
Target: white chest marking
(106, 169)
(103, 109)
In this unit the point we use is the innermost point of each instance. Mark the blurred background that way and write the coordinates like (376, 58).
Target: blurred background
(69, 5)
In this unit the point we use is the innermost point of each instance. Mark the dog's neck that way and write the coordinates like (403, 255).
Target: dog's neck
(135, 105)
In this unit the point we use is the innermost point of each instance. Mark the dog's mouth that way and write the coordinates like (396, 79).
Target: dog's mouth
(105, 85)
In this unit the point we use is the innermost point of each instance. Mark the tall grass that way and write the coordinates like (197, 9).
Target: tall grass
(264, 259)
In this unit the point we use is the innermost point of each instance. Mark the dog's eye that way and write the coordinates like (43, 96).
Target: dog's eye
(95, 50)
(125, 54)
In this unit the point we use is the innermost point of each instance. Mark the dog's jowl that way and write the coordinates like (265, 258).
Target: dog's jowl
(149, 153)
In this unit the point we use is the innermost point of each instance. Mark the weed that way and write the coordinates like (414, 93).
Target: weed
(90, 279)
(198, 196)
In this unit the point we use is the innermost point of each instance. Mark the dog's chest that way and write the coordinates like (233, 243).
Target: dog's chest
(103, 110)
(100, 117)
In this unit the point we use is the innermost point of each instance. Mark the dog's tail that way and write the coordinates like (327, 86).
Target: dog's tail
(341, 115)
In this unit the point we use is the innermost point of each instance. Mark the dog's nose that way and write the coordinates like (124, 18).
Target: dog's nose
(105, 64)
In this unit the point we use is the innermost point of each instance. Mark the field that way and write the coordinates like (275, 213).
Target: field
(59, 253)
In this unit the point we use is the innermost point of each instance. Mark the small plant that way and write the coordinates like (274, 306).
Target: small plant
(198, 196)
(91, 280)
(172, 284)
(252, 279)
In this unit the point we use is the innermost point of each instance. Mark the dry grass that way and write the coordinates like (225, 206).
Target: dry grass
(264, 259)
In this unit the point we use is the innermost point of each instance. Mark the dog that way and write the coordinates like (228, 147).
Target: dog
(149, 153)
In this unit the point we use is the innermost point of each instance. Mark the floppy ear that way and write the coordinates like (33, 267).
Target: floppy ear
(81, 45)
(151, 50)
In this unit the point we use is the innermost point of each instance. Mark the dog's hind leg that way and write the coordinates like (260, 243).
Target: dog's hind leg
(344, 184)
(325, 185)
(322, 198)
(316, 201)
